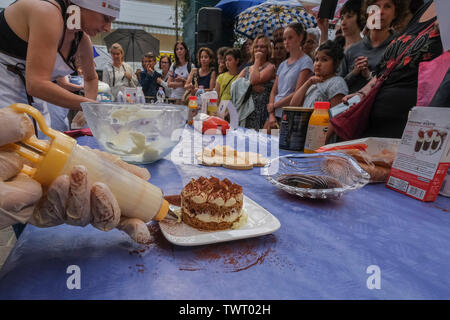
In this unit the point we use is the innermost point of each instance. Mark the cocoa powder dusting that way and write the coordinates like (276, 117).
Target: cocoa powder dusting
(232, 256)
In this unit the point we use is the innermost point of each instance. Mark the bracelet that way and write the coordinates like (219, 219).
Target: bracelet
(361, 93)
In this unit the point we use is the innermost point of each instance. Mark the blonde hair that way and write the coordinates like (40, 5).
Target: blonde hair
(117, 46)
(268, 47)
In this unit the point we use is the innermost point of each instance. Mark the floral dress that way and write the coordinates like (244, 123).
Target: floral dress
(259, 116)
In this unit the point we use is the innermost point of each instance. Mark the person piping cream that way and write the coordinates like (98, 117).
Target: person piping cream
(37, 46)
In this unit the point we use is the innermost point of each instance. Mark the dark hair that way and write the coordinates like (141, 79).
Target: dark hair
(354, 7)
(210, 53)
(149, 55)
(334, 50)
(221, 51)
(235, 52)
(165, 56)
(401, 9)
(415, 5)
(299, 30)
(186, 56)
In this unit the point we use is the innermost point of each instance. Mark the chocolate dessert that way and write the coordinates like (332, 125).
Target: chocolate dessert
(211, 204)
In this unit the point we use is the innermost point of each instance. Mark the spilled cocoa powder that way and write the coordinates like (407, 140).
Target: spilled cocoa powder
(228, 257)
(232, 256)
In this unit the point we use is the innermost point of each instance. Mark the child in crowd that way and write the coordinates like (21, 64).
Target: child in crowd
(224, 81)
(324, 85)
(149, 77)
(291, 74)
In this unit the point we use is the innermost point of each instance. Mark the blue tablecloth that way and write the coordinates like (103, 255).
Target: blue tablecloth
(322, 251)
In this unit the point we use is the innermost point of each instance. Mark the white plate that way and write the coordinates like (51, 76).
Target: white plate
(260, 222)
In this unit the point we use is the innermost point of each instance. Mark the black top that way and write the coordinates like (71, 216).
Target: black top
(398, 95)
(14, 46)
(149, 83)
(204, 81)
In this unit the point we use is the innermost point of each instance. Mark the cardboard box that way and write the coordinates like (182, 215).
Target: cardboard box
(423, 156)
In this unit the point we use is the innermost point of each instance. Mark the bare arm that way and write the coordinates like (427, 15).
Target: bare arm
(62, 82)
(212, 82)
(45, 30)
(189, 85)
(303, 77)
(257, 77)
(336, 100)
(87, 65)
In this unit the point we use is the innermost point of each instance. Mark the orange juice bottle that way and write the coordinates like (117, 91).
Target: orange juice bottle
(193, 109)
(317, 127)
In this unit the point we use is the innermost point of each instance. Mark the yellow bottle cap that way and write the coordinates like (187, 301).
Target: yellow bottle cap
(54, 156)
(163, 211)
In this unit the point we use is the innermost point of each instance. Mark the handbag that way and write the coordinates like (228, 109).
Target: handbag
(352, 123)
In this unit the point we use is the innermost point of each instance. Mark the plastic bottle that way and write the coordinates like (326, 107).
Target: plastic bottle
(317, 127)
(137, 198)
(193, 109)
(121, 97)
(160, 95)
(213, 107)
(140, 97)
(198, 94)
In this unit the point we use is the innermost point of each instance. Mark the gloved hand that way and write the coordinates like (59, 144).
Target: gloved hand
(68, 200)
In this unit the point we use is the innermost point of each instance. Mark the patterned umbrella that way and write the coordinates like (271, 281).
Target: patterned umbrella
(266, 17)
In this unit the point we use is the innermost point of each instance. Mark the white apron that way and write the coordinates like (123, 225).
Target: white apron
(12, 89)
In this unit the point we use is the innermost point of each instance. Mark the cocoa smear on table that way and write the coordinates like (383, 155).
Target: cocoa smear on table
(233, 256)
(443, 209)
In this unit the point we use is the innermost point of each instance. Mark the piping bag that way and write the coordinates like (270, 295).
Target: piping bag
(137, 198)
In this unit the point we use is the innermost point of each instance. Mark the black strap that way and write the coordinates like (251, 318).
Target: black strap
(114, 74)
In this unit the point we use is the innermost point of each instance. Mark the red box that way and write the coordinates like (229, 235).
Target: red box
(423, 156)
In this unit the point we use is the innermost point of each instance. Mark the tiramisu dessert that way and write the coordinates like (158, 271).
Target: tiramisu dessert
(211, 204)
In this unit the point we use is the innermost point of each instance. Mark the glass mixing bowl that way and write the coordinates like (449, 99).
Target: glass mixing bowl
(138, 133)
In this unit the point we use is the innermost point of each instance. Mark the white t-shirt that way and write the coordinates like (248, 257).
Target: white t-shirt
(184, 73)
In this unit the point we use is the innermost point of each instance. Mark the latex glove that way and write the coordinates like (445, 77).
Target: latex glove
(18, 192)
(70, 200)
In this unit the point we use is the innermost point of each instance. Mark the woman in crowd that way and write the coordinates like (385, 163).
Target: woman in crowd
(261, 75)
(205, 76)
(311, 42)
(398, 94)
(324, 85)
(278, 34)
(221, 67)
(279, 53)
(291, 74)
(119, 75)
(362, 58)
(246, 54)
(164, 65)
(224, 81)
(179, 71)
